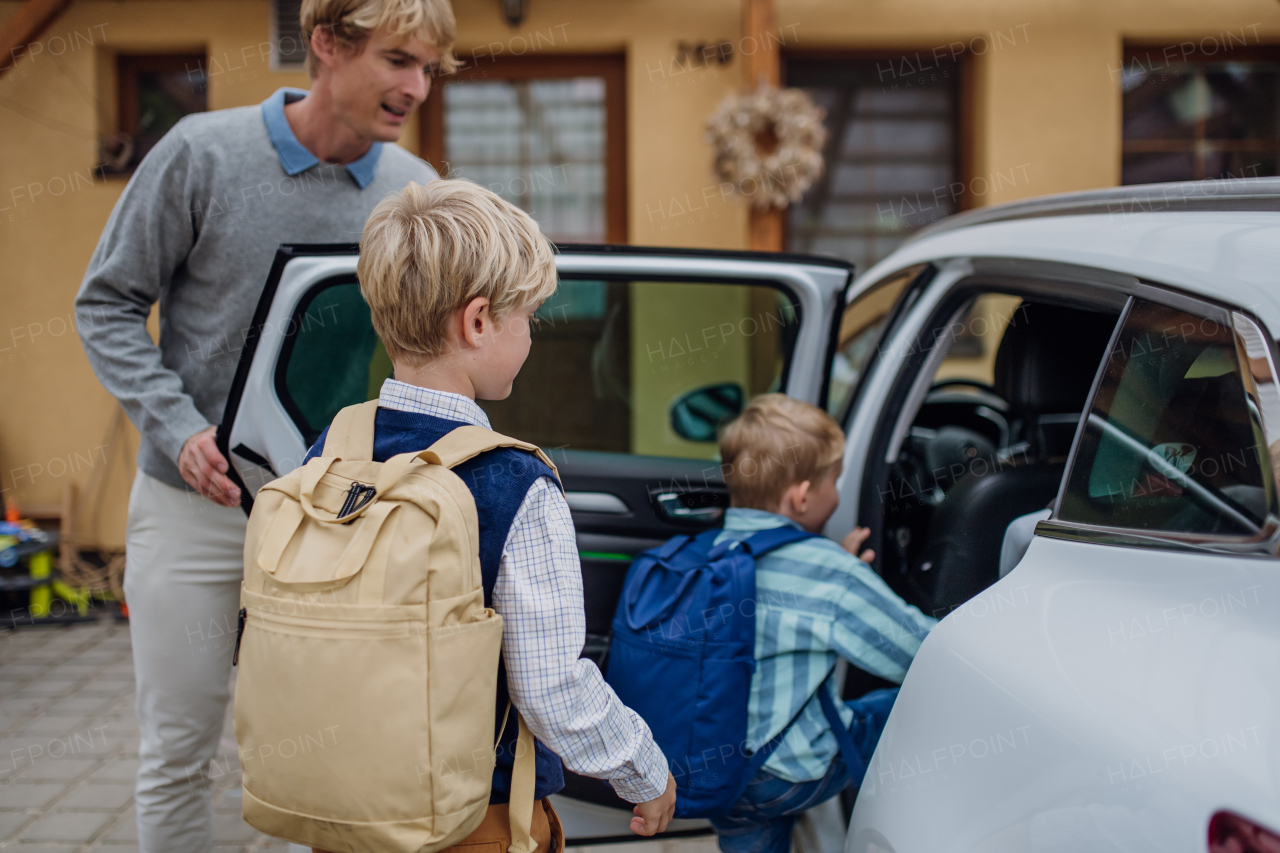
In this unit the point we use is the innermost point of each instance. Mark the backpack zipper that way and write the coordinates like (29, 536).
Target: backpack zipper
(357, 497)
(235, 656)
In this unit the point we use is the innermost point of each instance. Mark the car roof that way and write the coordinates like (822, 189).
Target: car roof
(1218, 239)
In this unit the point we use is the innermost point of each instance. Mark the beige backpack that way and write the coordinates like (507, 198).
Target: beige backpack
(368, 663)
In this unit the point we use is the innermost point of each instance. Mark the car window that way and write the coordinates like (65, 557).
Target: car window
(637, 367)
(975, 338)
(331, 356)
(647, 367)
(861, 327)
(1171, 443)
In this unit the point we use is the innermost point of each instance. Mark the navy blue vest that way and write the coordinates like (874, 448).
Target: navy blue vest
(498, 481)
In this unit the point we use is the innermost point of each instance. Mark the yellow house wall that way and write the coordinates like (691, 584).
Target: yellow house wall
(1045, 117)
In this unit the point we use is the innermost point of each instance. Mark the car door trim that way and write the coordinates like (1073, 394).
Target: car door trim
(253, 336)
(1264, 544)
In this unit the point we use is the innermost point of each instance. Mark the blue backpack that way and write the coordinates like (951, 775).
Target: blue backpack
(682, 657)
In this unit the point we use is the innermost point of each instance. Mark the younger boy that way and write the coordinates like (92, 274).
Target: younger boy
(453, 275)
(781, 458)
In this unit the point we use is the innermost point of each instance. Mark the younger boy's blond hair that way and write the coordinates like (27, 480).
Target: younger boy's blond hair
(429, 250)
(352, 21)
(775, 443)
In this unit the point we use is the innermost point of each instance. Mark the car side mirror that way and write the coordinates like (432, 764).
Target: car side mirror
(697, 415)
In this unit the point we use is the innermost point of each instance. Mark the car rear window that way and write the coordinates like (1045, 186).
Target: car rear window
(1172, 442)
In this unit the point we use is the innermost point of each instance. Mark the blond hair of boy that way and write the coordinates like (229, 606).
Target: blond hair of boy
(431, 250)
(784, 456)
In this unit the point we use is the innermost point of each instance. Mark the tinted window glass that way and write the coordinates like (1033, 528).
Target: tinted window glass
(331, 357)
(1171, 443)
(861, 327)
(611, 361)
(975, 338)
(614, 365)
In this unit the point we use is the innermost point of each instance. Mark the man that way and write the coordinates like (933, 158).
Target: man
(196, 230)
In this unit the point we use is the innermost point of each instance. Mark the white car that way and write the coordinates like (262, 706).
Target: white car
(1121, 686)
(1117, 688)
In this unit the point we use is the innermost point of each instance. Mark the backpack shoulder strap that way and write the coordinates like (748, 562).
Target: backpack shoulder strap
(468, 442)
(848, 751)
(351, 433)
(759, 544)
(463, 443)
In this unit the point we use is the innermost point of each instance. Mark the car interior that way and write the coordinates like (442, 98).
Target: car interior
(1003, 393)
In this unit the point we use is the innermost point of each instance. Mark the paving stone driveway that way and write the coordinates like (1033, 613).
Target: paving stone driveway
(69, 745)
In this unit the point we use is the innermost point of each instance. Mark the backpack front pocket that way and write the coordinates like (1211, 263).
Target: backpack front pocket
(330, 708)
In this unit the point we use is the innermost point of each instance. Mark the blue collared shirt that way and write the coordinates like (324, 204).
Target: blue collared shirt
(816, 602)
(294, 157)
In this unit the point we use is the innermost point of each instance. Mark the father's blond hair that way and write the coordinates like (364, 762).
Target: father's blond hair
(775, 443)
(429, 250)
(353, 21)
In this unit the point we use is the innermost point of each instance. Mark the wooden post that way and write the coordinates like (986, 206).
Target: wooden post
(24, 27)
(764, 229)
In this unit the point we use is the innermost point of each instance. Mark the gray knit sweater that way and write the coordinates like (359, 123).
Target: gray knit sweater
(196, 229)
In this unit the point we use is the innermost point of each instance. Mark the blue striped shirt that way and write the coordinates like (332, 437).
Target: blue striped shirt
(814, 602)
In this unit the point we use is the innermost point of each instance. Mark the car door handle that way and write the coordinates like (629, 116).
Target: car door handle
(601, 502)
(671, 507)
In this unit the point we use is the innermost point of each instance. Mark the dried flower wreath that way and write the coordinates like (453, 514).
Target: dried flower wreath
(768, 144)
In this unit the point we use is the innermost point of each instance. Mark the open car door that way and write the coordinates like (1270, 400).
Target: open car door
(637, 358)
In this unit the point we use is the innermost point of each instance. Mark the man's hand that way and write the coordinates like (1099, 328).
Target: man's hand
(853, 542)
(204, 468)
(652, 817)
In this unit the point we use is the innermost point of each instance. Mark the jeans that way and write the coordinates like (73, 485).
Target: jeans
(763, 817)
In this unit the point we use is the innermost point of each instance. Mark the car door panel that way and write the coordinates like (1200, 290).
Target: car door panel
(621, 503)
(1071, 706)
(260, 437)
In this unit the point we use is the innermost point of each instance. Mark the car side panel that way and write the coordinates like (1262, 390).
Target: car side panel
(1096, 698)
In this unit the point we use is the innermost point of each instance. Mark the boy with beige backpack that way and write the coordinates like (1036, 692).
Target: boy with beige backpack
(412, 605)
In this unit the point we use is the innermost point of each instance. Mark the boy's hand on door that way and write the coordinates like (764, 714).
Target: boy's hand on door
(652, 817)
(853, 542)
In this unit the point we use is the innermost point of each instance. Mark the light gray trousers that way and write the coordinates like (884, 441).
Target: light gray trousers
(182, 585)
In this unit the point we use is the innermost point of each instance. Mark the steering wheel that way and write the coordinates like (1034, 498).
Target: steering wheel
(970, 383)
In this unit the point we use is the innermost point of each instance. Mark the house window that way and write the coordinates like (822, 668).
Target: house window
(1191, 115)
(155, 90)
(893, 154)
(545, 133)
(288, 45)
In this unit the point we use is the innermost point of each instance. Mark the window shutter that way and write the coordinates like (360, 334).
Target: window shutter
(288, 45)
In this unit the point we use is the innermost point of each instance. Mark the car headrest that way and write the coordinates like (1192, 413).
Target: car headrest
(1048, 357)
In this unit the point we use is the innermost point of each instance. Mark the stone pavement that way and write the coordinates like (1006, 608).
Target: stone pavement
(69, 743)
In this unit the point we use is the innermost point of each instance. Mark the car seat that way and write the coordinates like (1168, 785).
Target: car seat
(1044, 368)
